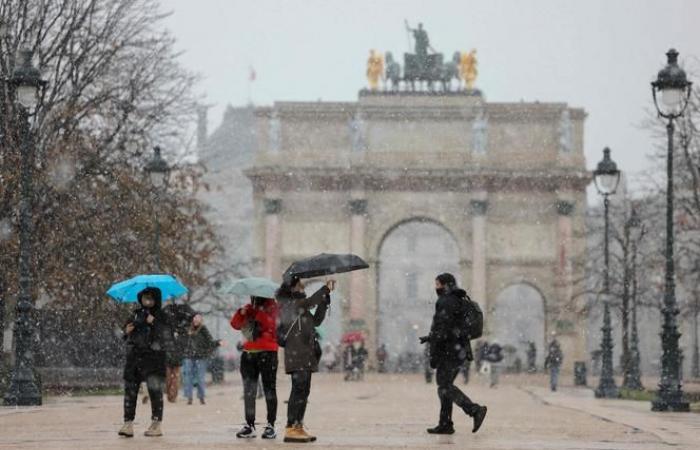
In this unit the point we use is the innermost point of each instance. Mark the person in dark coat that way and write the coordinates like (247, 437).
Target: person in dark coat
(301, 358)
(180, 316)
(449, 348)
(149, 337)
(531, 357)
(198, 348)
(382, 356)
(553, 362)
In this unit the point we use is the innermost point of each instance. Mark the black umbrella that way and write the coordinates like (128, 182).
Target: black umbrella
(324, 264)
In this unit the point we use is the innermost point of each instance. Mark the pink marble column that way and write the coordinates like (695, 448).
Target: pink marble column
(358, 279)
(273, 208)
(478, 287)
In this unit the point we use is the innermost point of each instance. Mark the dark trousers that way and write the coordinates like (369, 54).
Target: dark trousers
(449, 393)
(299, 396)
(155, 385)
(256, 365)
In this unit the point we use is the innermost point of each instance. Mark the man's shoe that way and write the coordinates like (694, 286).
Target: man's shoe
(479, 417)
(127, 430)
(442, 429)
(154, 430)
(202, 402)
(189, 401)
(269, 432)
(247, 432)
(296, 434)
(312, 438)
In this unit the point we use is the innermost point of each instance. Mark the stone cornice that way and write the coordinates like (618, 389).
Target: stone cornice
(435, 180)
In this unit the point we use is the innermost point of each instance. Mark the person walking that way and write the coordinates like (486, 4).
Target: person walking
(329, 358)
(199, 346)
(180, 316)
(553, 362)
(258, 322)
(457, 320)
(494, 356)
(148, 335)
(382, 356)
(531, 357)
(301, 357)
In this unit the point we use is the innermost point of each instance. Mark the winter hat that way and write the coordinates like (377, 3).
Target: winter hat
(447, 280)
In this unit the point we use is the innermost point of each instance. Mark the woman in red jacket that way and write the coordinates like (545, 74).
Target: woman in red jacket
(258, 322)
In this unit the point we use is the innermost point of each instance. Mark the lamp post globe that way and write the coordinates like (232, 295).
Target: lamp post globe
(27, 83)
(673, 87)
(606, 176)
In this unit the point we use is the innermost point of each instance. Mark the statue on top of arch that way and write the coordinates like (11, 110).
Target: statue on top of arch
(423, 70)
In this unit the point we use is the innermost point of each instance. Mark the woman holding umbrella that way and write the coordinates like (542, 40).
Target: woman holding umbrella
(298, 336)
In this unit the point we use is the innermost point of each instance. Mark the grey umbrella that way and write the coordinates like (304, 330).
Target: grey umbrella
(324, 264)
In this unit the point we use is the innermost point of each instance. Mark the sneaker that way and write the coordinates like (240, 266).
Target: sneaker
(442, 429)
(154, 430)
(296, 434)
(247, 432)
(127, 430)
(479, 417)
(269, 432)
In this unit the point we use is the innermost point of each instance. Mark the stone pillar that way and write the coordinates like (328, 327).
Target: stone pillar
(358, 279)
(565, 210)
(478, 287)
(273, 232)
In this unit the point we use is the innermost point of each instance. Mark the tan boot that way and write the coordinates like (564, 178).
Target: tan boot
(311, 437)
(295, 434)
(154, 430)
(127, 430)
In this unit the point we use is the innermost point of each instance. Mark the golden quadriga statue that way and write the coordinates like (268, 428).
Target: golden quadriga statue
(375, 69)
(467, 68)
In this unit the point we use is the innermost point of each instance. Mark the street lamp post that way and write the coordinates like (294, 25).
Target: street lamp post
(674, 89)
(158, 170)
(633, 377)
(27, 84)
(606, 178)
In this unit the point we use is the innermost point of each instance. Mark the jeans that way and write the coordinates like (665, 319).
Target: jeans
(448, 393)
(194, 371)
(553, 377)
(254, 366)
(155, 385)
(298, 397)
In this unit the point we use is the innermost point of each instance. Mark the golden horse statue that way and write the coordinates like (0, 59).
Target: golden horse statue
(467, 68)
(375, 69)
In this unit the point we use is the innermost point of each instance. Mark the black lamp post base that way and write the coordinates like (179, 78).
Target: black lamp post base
(22, 392)
(671, 403)
(607, 392)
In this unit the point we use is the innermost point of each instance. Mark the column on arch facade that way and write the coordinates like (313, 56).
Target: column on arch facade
(273, 238)
(358, 279)
(478, 208)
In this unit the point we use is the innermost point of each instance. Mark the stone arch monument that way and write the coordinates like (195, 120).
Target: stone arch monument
(512, 197)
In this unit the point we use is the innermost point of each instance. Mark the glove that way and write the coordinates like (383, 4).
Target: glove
(424, 339)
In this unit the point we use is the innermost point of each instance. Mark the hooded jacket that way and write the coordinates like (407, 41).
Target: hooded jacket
(300, 323)
(447, 343)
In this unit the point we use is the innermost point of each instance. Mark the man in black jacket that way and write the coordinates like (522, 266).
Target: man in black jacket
(449, 349)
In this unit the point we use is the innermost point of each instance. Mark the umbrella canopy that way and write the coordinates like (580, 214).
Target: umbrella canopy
(352, 336)
(127, 291)
(324, 264)
(252, 286)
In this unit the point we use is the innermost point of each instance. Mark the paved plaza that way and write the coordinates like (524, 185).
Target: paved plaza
(384, 411)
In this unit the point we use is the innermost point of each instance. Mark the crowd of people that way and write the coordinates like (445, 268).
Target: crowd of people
(163, 342)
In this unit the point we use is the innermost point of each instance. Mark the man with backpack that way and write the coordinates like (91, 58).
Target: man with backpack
(457, 320)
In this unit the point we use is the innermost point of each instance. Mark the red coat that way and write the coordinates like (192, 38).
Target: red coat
(266, 316)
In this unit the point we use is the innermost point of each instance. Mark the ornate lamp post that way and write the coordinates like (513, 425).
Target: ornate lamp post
(27, 84)
(159, 172)
(633, 377)
(674, 88)
(606, 178)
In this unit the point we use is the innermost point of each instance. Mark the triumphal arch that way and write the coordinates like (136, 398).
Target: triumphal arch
(419, 180)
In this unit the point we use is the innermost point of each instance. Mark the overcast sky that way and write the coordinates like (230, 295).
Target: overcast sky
(596, 54)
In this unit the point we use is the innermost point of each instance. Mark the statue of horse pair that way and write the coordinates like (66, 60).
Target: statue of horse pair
(433, 71)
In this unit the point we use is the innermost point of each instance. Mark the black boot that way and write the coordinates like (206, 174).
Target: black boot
(479, 417)
(442, 429)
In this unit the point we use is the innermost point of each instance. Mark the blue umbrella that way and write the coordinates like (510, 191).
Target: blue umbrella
(252, 286)
(127, 291)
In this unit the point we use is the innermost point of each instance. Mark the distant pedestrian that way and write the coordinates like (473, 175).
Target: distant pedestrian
(553, 362)
(382, 356)
(149, 337)
(297, 332)
(258, 321)
(494, 356)
(359, 358)
(329, 358)
(199, 346)
(465, 370)
(457, 319)
(180, 315)
(531, 357)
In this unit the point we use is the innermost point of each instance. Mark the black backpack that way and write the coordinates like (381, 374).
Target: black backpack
(474, 320)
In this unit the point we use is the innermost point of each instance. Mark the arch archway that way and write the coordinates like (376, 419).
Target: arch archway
(411, 254)
(518, 317)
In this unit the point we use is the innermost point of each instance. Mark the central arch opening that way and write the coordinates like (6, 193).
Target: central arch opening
(410, 257)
